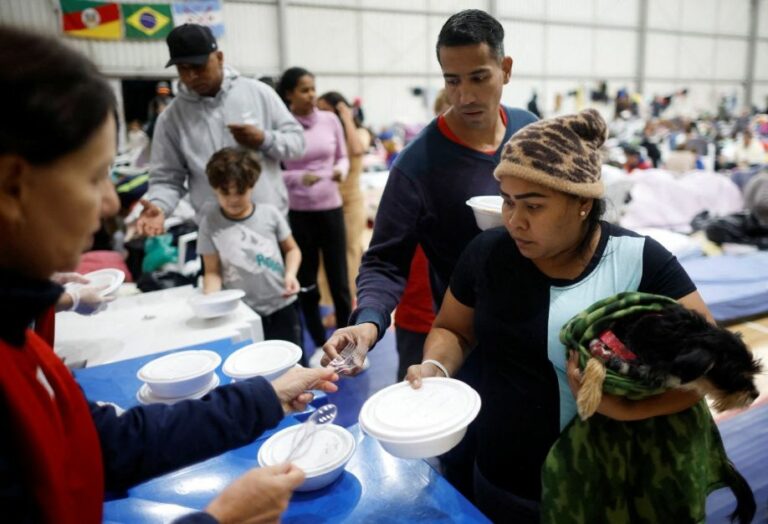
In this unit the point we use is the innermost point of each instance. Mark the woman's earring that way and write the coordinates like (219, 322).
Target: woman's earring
(582, 213)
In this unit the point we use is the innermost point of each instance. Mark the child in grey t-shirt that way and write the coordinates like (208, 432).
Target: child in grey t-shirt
(248, 246)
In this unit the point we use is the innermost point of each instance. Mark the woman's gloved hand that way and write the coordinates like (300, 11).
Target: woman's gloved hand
(84, 300)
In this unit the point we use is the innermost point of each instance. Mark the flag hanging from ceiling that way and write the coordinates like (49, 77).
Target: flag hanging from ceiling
(147, 20)
(87, 19)
(202, 12)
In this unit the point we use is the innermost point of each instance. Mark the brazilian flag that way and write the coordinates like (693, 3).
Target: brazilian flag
(147, 21)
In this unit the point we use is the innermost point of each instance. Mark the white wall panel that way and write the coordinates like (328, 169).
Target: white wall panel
(663, 14)
(525, 43)
(619, 12)
(454, 6)
(615, 52)
(733, 17)
(333, 3)
(660, 89)
(704, 96)
(575, 57)
(696, 57)
(762, 20)
(322, 39)
(390, 100)
(698, 15)
(394, 43)
(730, 59)
(348, 86)
(415, 5)
(434, 24)
(522, 9)
(518, 92)
(761, 61)
(661, 55)
(571, 10)
(760, 95)
(250, 38)
(31, 14)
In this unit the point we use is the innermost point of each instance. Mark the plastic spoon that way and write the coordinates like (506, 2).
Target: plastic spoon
(322, 415)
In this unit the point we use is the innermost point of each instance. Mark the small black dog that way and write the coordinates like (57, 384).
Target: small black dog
(675, 348)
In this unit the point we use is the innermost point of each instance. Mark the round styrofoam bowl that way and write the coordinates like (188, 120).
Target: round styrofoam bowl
(246, 362)
(216, 304)
(420, 449)
(180, 383)
(274, 450)
(487, 210)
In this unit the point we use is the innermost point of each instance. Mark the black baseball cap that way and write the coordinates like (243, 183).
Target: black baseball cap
(190, 44)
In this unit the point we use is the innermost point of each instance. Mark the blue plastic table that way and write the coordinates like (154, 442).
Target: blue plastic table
(376, 487)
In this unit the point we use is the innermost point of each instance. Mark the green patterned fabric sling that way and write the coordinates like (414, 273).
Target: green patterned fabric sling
(649, 471)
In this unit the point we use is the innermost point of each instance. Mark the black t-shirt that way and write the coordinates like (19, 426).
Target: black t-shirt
(518, 315)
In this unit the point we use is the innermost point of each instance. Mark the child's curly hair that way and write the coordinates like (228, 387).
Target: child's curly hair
(231, 164)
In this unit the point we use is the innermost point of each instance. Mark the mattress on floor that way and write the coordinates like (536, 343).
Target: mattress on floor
(733, 286)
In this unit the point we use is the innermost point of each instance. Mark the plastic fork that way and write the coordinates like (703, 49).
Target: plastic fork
(348, 359)
(303, 436)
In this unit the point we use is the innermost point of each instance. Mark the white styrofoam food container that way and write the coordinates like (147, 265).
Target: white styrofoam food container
(420, 423)
(180, 374)
(145, 396)
(269, 359)
(109, 279)
(487, 211)
(323, 460)
(216, 304)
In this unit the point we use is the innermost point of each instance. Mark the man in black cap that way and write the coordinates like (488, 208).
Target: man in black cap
(215, 108)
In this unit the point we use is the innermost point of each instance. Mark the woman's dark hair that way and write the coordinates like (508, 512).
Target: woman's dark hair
(289, 81)
(54, 97)
(593, 224)
(332, 98)
(470, 27)
(238, 165)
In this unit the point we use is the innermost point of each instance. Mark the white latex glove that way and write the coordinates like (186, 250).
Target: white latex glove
(87, 300)
(67, 277)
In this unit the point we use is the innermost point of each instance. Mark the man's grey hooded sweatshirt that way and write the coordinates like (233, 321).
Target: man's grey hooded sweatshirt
(193, 127)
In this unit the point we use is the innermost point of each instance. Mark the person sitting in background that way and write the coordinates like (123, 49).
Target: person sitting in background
(756, 197)
(250, 246)
(748, 150)
(650, 142)
(391, 146)
(316, 214)
(634, 160)
(162, 99)
(60, 452)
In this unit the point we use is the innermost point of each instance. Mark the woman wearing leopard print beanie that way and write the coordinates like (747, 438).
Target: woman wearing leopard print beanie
(515, 286)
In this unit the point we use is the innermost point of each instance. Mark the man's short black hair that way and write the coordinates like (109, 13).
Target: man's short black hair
(470, 27)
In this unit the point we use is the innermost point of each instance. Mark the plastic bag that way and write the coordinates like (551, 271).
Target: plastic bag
(158, 251)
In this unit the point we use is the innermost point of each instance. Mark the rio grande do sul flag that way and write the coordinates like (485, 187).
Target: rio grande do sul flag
(147, 20)
(86, 19)
(202, 12)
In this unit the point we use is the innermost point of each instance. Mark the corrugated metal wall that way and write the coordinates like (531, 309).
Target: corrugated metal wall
(380, 51)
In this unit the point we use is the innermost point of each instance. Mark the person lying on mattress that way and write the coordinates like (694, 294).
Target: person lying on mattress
(514, 288)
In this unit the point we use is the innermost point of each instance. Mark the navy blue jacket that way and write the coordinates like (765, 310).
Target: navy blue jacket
(139, 443)
(424, 202)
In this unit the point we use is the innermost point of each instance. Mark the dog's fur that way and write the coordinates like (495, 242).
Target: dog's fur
(681, 349)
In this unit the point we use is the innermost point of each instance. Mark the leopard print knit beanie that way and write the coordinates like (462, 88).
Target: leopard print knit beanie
(561, 153)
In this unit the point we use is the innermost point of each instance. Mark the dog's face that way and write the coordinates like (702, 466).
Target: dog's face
(733, 372)
(680, 344)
